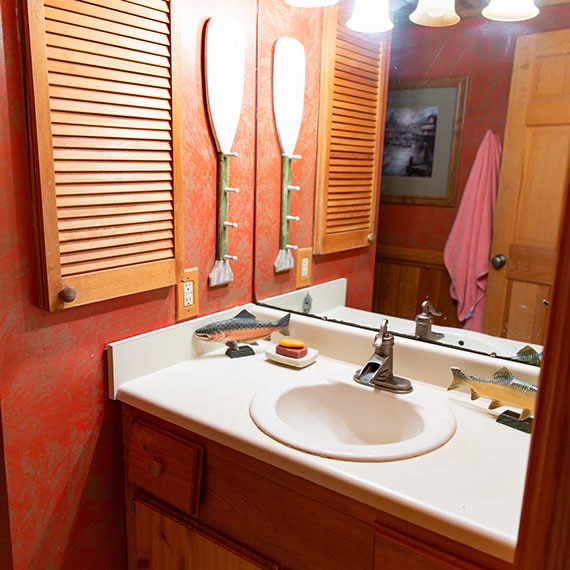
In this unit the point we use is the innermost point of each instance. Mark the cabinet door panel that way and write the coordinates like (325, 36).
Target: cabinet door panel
(351, 132)
(393, 549)
(164, 541)
(105, 141)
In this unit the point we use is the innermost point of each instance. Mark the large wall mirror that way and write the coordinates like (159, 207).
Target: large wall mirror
(477, 49)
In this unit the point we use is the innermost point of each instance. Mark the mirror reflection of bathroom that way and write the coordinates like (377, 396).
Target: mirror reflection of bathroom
(418, 254)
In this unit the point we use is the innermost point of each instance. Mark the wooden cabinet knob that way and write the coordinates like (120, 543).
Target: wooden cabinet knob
(68, 294)
(155, 468)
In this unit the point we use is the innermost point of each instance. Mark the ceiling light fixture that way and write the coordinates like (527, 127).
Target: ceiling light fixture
(510, 10)
(435, 13)
(370, 17)
(311, 3)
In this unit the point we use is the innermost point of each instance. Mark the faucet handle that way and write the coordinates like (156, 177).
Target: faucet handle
(382, 331)
(428, 308)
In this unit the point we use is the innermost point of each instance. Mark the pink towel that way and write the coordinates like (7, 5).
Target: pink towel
(468, 246)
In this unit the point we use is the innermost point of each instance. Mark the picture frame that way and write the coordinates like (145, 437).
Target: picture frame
(422, 141)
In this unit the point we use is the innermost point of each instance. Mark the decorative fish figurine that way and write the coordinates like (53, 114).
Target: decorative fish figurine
(503, 389)
(529, 355)
(244, 327)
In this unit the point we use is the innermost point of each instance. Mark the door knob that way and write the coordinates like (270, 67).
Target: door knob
(498, 261)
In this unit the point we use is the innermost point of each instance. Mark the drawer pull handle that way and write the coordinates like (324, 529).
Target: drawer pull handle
(155, 468)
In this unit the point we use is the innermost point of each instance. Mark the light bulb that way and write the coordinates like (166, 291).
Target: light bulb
(510, 10)
(435, 13)
(370, 17)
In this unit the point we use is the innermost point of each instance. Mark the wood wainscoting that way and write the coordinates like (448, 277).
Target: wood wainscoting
(404, 277)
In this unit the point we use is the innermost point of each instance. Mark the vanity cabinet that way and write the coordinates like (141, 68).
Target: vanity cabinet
(194, 503)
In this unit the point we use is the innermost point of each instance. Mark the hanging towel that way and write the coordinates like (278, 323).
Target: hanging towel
(466, 253)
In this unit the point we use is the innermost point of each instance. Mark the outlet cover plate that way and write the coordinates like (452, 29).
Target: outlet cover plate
(304, 265)
(187, 307)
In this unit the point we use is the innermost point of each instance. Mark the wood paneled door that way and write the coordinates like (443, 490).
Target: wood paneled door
(532, 188)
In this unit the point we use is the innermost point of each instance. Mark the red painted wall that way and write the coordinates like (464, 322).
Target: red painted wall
(62, 468)
(61, 475)
(200, 174)
(276, 20)
(61, 434)
(484, 51)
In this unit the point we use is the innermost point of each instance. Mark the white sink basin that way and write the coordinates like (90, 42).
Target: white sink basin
(483, 343)
(344, 420)
(473, 341)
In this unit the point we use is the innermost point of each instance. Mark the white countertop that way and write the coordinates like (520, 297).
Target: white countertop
(469, 490)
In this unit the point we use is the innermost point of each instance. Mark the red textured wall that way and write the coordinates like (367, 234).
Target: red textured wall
(276, 20)
(484, 51)
(62, 469)
(200, 167)
(61, 474)
(61, 433)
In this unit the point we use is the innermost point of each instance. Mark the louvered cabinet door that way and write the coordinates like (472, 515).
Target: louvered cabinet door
(104, 105)
(350, 134)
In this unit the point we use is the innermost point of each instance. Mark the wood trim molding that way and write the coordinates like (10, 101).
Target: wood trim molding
(411, 255)
(544, 537)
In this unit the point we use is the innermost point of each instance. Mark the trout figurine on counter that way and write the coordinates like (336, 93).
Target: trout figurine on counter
(503, 389)
(244, 327)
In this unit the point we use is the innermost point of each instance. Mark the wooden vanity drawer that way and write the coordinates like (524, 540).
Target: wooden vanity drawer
(166, 466)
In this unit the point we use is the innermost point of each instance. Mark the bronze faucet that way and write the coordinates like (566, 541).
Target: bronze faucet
(377, 372)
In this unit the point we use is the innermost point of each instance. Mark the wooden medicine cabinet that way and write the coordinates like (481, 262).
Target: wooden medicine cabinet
(104, 107)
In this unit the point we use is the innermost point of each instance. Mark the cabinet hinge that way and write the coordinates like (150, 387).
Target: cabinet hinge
(133, 505)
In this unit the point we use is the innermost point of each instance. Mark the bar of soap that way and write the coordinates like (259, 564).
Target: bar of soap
(291, 343)
(309, 358)
(291, 347)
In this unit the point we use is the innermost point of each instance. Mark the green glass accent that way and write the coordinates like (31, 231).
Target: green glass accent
(223, 180)
(285, 200)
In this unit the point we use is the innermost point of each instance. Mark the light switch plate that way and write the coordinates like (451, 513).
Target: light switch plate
(304, 265)
(187, 295)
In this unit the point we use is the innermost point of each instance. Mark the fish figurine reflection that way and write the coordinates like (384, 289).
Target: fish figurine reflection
(503, 389)
(529, 355)
(244, 327)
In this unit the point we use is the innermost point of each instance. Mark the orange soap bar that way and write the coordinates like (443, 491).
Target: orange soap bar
(292, 348)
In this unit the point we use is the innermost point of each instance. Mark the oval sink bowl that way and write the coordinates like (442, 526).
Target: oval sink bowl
(344, 420)
(481, 342)
(475, 341)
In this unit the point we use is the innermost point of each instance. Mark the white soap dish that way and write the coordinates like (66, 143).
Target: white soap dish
(309, 358)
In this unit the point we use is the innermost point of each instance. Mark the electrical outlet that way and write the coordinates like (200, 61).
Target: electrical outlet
(305, 268)
(304, 264)
(188, 287)
(187, 295)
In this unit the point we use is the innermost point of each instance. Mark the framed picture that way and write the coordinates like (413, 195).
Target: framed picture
(422, 141)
